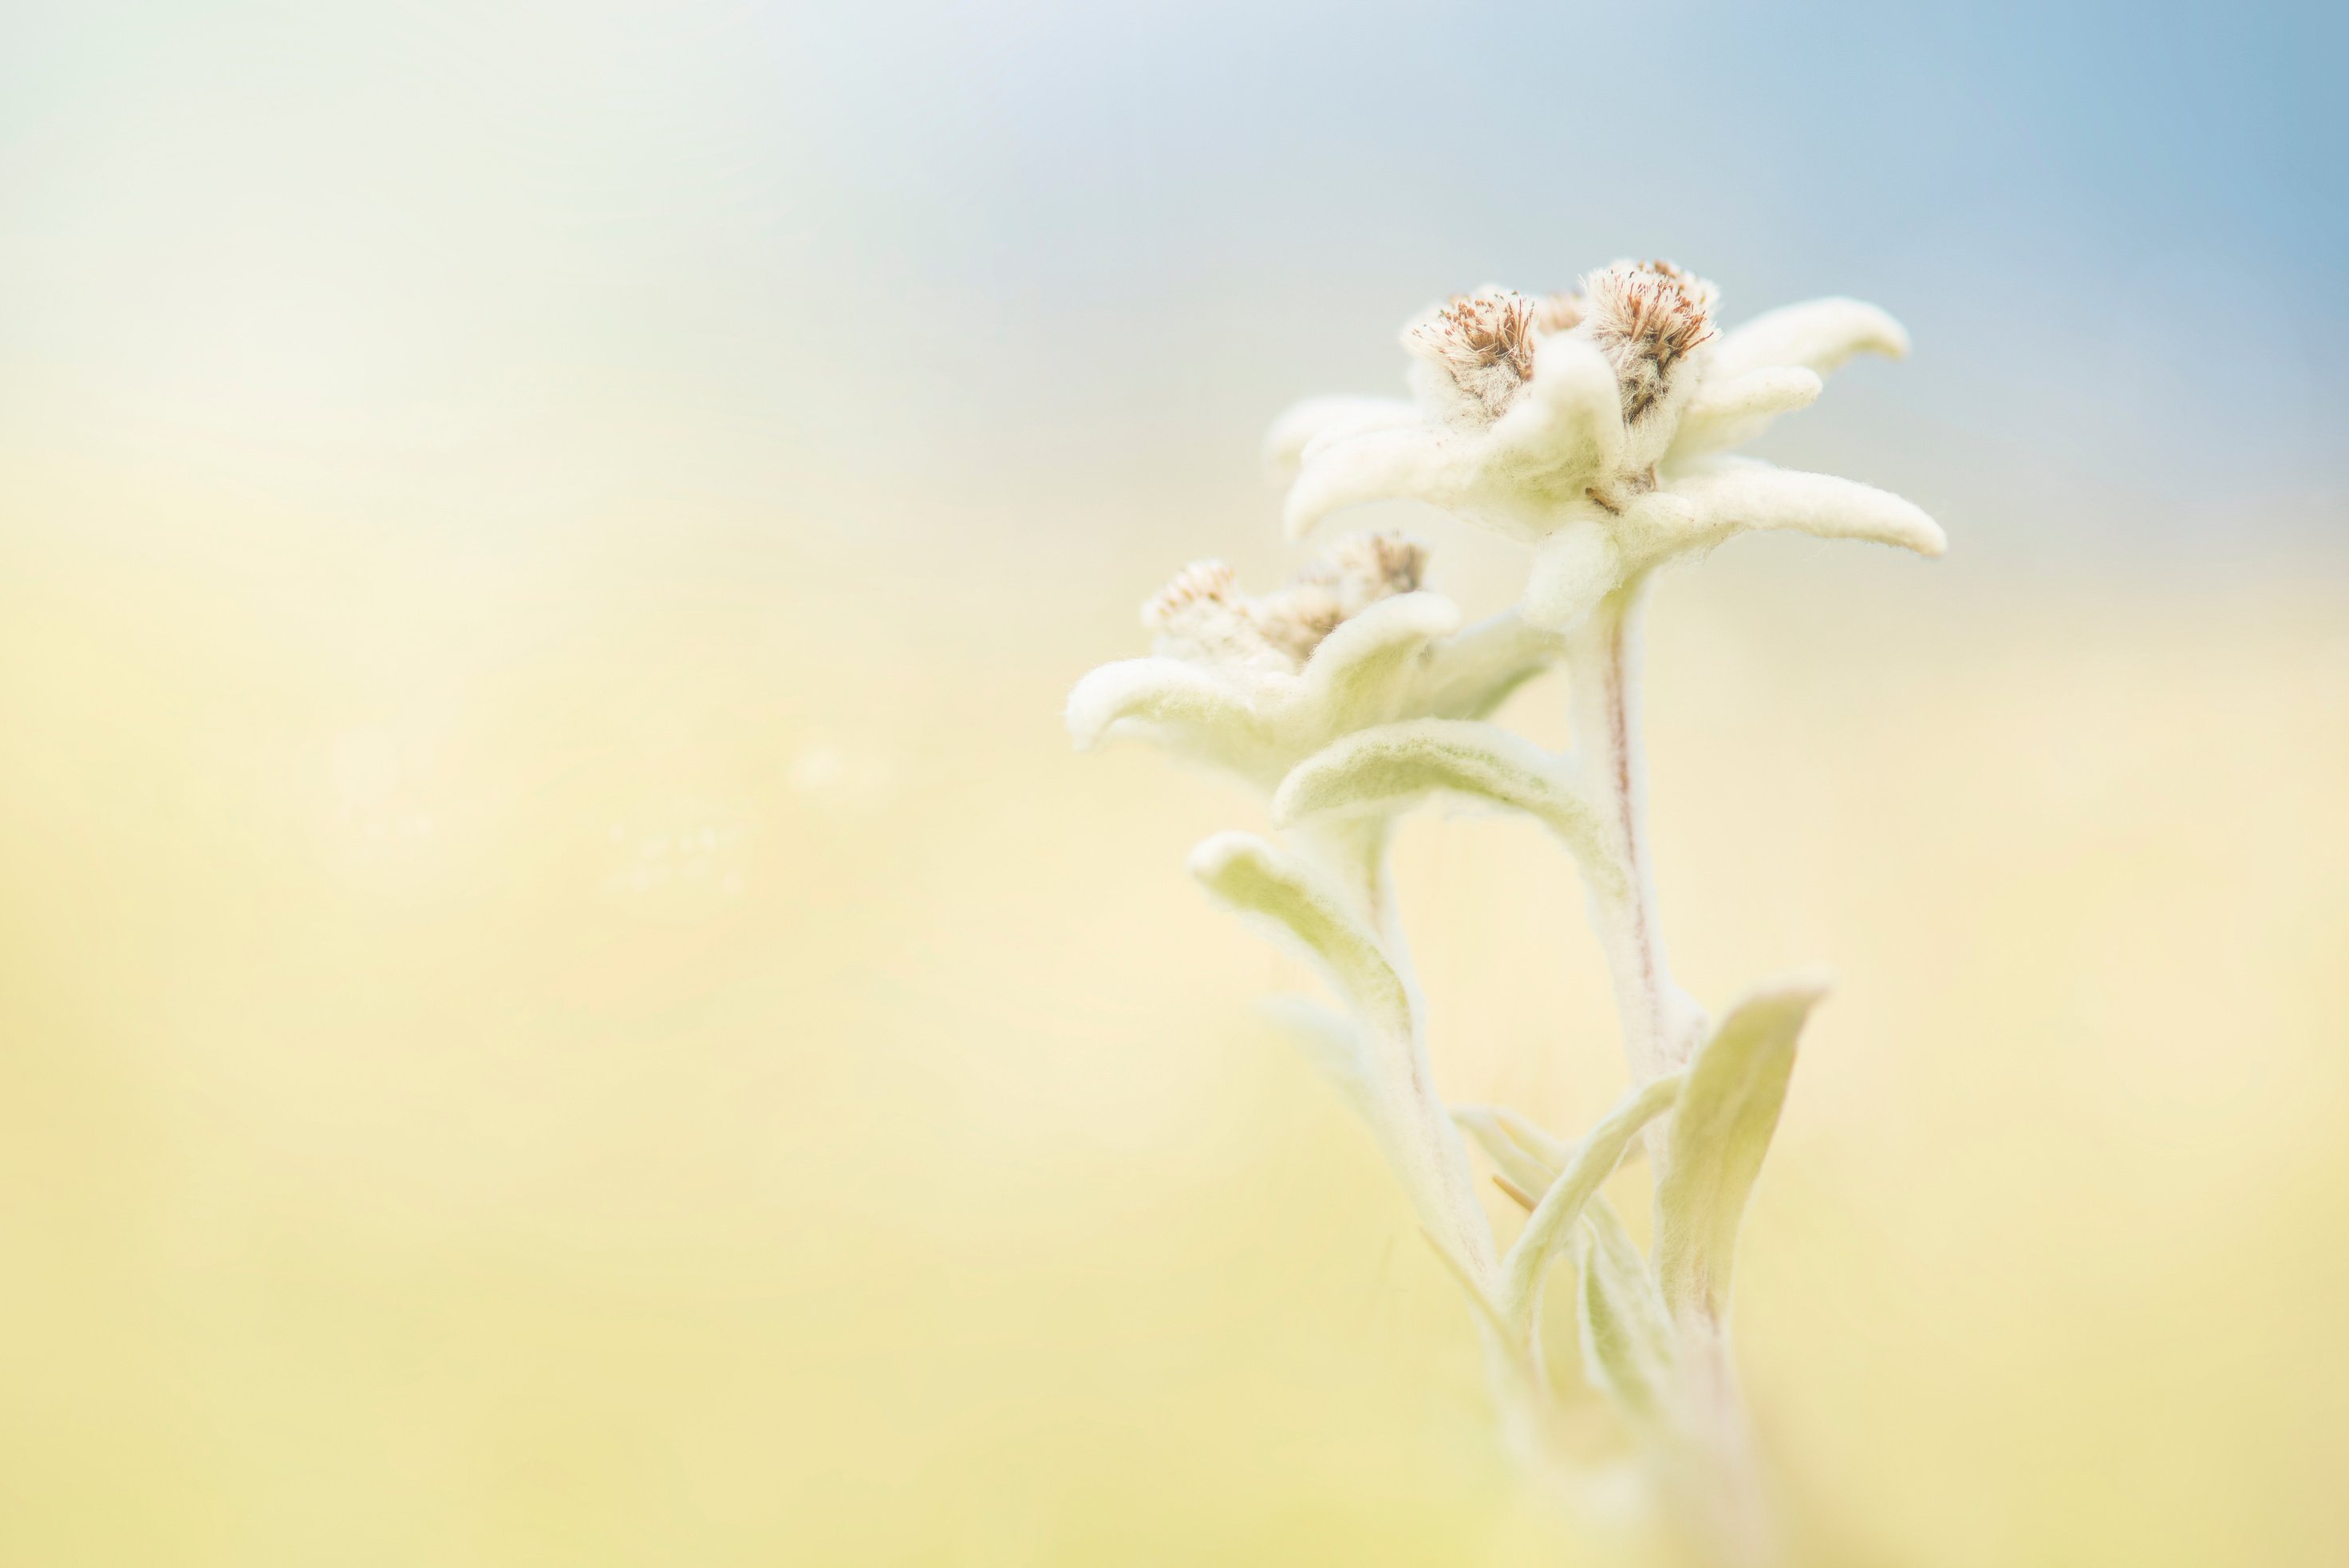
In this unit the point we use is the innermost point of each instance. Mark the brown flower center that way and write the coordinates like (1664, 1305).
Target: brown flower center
(1646, 317)
(1485, 342)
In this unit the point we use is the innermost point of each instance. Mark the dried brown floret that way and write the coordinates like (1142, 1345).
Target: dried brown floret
(1646, 317)
(1485, 342)
(1200, 583)
(1372, 566)
(1295, 619)
(1201, 615)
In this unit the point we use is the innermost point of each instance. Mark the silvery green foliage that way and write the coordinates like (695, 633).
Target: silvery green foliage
(1592, 427)
(1585, 1165)
(1388, 769)
(1381, 1063)
(1627, 1337)
(1727, 1111)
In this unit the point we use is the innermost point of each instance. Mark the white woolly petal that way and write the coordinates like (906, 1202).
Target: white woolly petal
(1565, 428)
(1416, 462)
(1573, 569)
(1730, 411)
(1256, 877)
(1731, 495)
(1468, 676)
(1334, 419)
(1363, 671)
(1819, 335)
(1154, 689)
(1183, 707)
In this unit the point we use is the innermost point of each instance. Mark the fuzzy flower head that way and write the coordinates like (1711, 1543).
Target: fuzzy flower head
(1474, 352)
(1255, 683)
(1203, 617)
(1587, 425)
(1648, 318)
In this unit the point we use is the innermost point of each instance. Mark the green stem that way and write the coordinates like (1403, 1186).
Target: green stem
(1428, 1145)
(1711, 1487)
(1660, 1023)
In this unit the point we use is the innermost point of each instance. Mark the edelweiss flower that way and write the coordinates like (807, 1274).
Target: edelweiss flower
(1254, 685)
(1589, 425)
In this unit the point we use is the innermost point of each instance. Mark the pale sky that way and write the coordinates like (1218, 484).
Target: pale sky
(854, 258)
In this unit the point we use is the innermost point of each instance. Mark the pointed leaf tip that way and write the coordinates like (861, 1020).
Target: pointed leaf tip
(1352, 468)
(1819, 335)
(1550, 1228)
(1151, 690)
(1731, 411)
(1520, 1164)
(1721, 496)
(1719, 1133)
(1392, 767)
(1254, 878)
(1327, 419)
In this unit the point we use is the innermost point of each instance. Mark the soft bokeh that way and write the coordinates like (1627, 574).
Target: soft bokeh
(562, 999)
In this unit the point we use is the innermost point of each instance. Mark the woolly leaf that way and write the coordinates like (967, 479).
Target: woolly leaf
(1362, 672)
(1393, 767)
(1550, 1226)
(1552, 1151)
(1468, 675)
(1188, 710)
(1496, 1132)
(1734, 495)
(1819, 335)
(1627, 1339)
(1254, 878)
(1414, 462)
(1728, 412)
(1332, 419)
(1713, 1148)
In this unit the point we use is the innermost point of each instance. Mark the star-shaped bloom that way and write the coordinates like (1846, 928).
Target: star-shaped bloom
(1592, 426)
(1254, 685)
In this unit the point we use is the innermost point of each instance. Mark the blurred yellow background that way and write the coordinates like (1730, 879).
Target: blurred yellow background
(562, 999)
